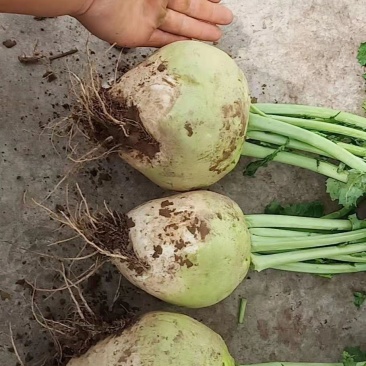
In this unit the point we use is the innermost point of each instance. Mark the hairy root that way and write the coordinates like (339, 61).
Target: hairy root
(82, 328)
(106, 232)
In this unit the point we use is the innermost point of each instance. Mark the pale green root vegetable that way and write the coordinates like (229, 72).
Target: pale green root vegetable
(181, 118)
(172, 339)
(193, 249)
(185, 110)
(160, 339)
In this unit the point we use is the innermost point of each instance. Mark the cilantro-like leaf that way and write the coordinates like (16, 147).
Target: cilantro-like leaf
(359, 299)
(252, 168)
(356, 354)
(361, 56)
(308, 209)
(356, 222)
(274, 208)
(347, 359)
(341, 168)
(348, 193)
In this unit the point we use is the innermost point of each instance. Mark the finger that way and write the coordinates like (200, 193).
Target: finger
(203, 10)
(215, 1)
(183, 25)
(160, 38)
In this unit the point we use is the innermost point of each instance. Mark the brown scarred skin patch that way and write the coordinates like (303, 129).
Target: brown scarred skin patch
(189, 129)
(229, 112)
(158, 251)
(202, 229)
(196, 226)
(166, 212)
(125, 356)
(174, 226)
(180, 244)
(166, 203)
(179, 336)
(225, 155)
(232, 110)
(162, 67)
(183, 261)
(192, 229)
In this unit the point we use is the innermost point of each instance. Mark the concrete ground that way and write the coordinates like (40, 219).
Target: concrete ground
(292, 51)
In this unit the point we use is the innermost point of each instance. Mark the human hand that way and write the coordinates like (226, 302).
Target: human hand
(154, 23)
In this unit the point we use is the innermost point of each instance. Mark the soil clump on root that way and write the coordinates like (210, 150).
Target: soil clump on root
(85, 324)
(110, 232)
(88, 320)
(112, 122)
(76, 336)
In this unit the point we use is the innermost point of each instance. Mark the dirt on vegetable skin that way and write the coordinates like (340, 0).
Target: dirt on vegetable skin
(114, 124)
(110, 232)
(76, 335)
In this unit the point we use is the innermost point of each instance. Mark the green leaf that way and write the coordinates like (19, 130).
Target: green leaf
(347, 359)
(364, 76)
(361, 56)
(341, 168)
(356, 354)
(308, 209)
(356, 222)
(274, 208)
(359, 299)
(252, 168)
(348, 193)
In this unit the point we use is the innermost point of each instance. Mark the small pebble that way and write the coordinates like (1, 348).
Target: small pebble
(50, 76)
(10, 43)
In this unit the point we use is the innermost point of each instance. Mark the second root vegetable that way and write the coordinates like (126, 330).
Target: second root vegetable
(193, 249)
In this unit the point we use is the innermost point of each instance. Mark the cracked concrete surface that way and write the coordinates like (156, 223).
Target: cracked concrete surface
(292, 51)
